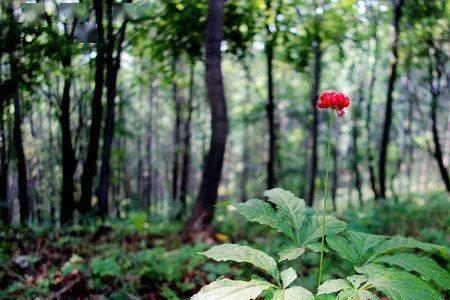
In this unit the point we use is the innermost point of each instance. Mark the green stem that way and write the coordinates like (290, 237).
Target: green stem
(325, 196)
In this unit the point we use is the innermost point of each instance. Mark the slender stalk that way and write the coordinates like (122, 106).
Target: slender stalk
(325, 196)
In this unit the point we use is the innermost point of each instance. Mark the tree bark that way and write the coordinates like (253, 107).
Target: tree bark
(203, 210)
(67, 150)
(355, 146)
(112, 69)
(369, 148)
(397, 4)
(270, 107)
(245, 142)
(186, 162)
(176, 135)
(24, 200)
(435, 92)
(315, 85)
(149, 152)
(90, 164)
(4, 164)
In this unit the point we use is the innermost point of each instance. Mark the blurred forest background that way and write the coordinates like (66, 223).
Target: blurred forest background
(149, 115)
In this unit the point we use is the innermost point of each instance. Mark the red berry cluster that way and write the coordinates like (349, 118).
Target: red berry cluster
(334, 100)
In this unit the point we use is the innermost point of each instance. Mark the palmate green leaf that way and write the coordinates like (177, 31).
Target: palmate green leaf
(356, 280)
(226, 289)
(293, 293)
(355, 246)
(291, 206)
(262, 212)
(291, 253)
(355, 294)
(314, 228)
(397, 285)
(424, 266)
(343, 248)
(363, 242)
(333, 286)
(246, 254)
(288, 276)
(317, 247)
(402, 243)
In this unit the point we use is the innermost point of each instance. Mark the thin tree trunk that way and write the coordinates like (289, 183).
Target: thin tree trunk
(4, 164)
(203, 210)
(315, 122)
(369, 147)
(112, 69)
(139, 172)
(149, 152)
(435, 92)
(24, 200)
(176, 135)
(245, 142)
(397, 4)
(90, 164)
(355, 147)
(186, 162)
(270, 107)
(68, 153)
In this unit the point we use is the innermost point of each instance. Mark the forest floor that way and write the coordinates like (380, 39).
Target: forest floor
(137, 258)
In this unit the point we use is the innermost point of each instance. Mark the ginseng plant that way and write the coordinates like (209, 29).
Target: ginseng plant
(397, 267)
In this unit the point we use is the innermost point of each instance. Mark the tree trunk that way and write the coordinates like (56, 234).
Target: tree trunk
(90, 164)
(389, 101)
(270, 107)
(245, 142)
(176, 135)
(369, 149)
(435, 92)
(68, 152)
(112, 69)
(355, 147)
(149, 152)
(24, 200)
(186, 162)
(315, 85)
(203, 210)
(4, 164)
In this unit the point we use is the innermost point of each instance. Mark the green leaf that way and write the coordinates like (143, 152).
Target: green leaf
(246, 254)
(287, 277)
(355, 294)
(397, 285)
(343, 248)
(425, 266)
(357, 280)
(226, 289)
(317, 247)
(291, 253)
(363, 242)
(333, 286)
(292, 207)
(401, 243)
(255, 210)
(293, 293)
(332, 226)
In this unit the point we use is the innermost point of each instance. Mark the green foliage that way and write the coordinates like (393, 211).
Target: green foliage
(384, 265)
(105, 267)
